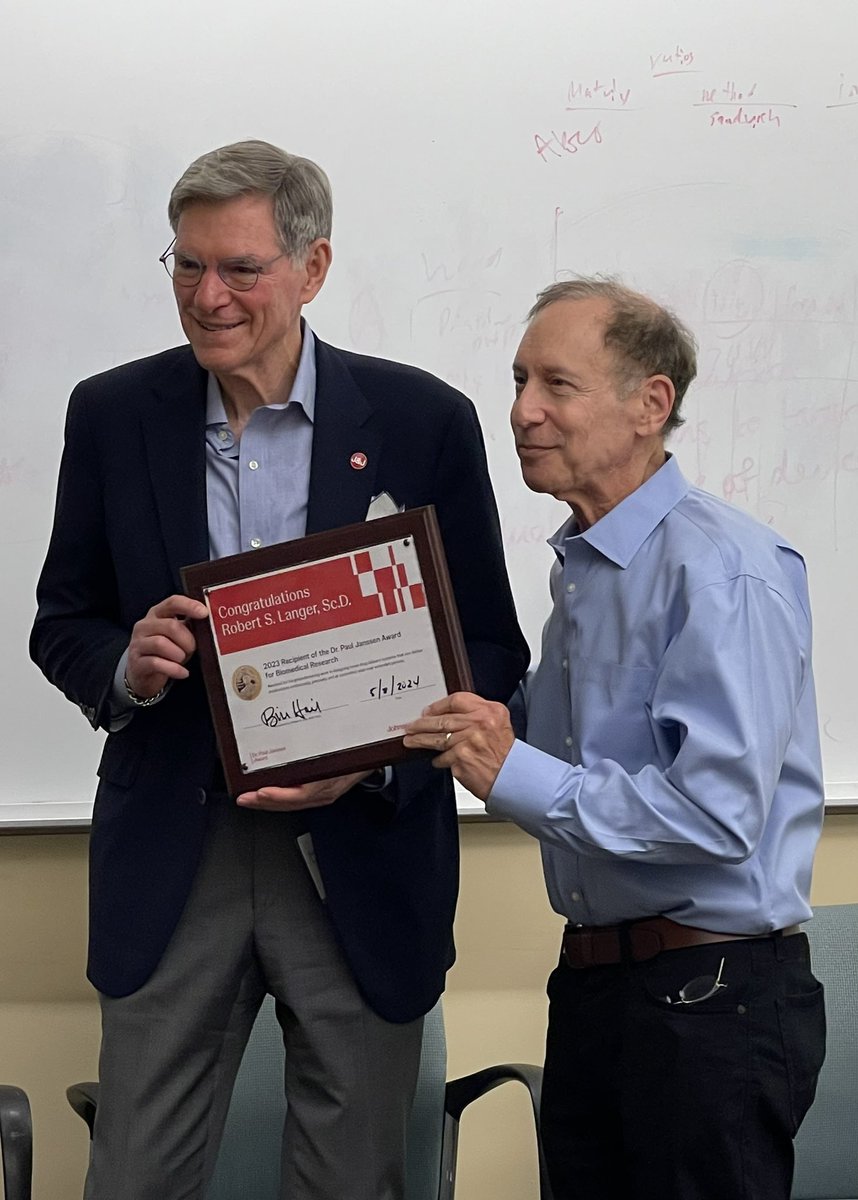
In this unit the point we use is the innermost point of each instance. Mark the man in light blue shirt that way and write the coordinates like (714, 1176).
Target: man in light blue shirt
(671, 771)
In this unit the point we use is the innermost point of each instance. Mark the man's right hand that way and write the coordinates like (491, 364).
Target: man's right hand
(161, 643)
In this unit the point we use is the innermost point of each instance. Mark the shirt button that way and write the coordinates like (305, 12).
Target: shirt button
(568, 740)
(256, 543)
(570, 587)
(223, 434)
(565, 664)
(253, 464)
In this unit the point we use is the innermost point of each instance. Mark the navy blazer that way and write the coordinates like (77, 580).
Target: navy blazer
(131, 511)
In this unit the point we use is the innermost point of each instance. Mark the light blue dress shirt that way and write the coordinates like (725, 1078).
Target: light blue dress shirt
(257, 487)
(672, 763)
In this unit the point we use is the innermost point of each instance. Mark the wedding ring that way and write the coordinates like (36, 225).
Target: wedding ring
(447, 737)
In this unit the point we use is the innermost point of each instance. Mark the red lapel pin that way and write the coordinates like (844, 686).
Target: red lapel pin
(358, 460)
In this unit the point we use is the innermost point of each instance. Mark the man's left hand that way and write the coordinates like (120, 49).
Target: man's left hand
(308, 795)
(473, 735)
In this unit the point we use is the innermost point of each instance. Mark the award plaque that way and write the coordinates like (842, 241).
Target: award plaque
(318, 651)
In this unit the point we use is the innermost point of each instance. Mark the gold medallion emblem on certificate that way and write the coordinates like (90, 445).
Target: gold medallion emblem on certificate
(246, 683)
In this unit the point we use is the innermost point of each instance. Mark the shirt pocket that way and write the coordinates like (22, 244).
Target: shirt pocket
(610, 705)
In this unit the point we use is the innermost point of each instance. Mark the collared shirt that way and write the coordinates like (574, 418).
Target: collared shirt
(257, 487)
(672, 763)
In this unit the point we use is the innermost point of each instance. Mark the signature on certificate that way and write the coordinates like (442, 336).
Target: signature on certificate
(389, 687)
(274, 716)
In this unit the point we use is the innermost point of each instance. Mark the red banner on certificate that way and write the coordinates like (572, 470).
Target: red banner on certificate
(324, 595)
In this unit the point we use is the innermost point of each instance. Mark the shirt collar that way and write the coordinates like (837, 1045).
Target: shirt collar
(303, 388)
(622, 531)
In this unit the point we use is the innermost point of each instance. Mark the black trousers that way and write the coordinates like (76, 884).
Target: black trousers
(645, 1098)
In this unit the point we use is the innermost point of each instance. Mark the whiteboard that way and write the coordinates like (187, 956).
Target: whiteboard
(706, 152)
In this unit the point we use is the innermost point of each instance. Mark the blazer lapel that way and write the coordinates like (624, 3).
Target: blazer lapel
(174, 438)
(340, 488)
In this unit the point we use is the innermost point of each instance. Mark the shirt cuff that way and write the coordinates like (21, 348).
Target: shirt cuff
(121, 708)
(377, 780)
(528, 786)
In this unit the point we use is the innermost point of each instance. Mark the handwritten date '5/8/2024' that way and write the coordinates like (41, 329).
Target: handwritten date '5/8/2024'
(297, 710)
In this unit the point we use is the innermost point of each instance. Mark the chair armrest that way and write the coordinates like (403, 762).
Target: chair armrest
(16, 1140)
(462, 1092)
(83, 1097)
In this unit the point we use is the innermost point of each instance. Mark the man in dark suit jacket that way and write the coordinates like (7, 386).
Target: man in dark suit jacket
(337, 897)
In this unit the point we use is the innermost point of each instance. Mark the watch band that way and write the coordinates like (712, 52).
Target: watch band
(141, 701)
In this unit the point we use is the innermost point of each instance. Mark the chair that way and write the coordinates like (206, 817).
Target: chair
(826, 1148)
(16, 1143)
(249, 1160)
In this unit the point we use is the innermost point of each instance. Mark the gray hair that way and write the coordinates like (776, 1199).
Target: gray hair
(300, 190)
(645, 338)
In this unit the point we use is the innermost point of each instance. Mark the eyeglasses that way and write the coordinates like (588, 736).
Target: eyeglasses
(702, 987)
(239, 274)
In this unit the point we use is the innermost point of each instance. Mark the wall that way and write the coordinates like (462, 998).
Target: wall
(495, 1008)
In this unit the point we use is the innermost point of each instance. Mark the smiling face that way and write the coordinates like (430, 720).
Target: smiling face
(253, 337)
(579, 435)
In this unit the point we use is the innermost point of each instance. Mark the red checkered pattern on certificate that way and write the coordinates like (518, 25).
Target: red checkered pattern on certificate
(382, 572)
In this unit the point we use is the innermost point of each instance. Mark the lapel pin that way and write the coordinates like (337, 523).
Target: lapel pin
(358, 460)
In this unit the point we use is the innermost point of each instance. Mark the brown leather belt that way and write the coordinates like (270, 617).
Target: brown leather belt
(636, 941)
